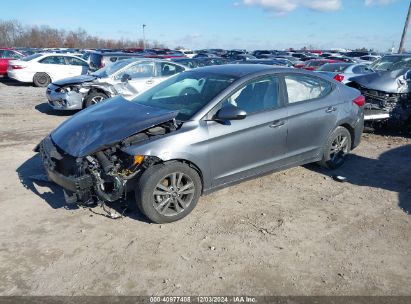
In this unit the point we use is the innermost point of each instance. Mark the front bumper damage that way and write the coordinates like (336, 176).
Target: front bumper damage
(77, 185)
(101, 176)
(71, 97)
(394, 108)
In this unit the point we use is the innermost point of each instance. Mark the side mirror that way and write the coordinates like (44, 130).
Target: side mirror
(230, 113)
(125, 78)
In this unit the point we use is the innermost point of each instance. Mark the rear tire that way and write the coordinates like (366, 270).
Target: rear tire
(94, 98)
(336, 148)
(168, 192)
(41, 79)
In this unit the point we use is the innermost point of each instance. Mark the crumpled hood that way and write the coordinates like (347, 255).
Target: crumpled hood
(386, 81)
(105, 124)
(74, 80)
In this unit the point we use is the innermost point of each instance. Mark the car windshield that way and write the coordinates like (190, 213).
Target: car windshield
(391, 63)
(186, 93)
(110, 69)
(31, 57)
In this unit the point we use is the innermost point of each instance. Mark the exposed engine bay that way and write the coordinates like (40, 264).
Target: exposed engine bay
(102, 176)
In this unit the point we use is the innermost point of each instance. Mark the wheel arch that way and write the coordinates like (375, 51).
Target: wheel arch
(351, 130)
(95, 90)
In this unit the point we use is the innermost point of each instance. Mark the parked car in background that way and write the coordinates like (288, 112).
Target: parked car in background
(187, 53)
(343, 71)
(125, 77)
(205, 55)
(278, 62)
(7, 54)
(314, 64)
(200, 62)
(41, 69)
(387, 91)
(171, 148)
(370, 58)
(244, 57)
(98, 59)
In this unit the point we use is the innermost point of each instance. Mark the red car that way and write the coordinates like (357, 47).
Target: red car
(314, 64)
(7, 54)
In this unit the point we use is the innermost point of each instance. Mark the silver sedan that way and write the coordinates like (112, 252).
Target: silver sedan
(127, 78)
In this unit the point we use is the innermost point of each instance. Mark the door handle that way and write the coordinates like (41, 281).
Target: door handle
(330, 109)
(150, 81)
(277, 124)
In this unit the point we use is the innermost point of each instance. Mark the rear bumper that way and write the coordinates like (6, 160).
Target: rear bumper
(20, 76)
(358, 130)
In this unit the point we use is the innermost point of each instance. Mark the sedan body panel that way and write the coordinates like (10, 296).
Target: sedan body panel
(279, 130)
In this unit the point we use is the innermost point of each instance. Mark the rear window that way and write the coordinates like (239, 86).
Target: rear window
(302, 87)
(31, 57)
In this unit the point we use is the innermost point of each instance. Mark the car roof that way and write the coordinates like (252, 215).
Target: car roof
(238, 70)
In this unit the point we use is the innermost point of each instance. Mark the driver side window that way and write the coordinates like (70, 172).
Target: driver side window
(257, 96)
(140, 70)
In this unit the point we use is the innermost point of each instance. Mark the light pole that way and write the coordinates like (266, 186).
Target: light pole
(144, 37)
(404, 32)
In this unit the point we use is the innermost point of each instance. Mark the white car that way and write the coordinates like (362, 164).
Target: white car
(187, 53)
(42, 69)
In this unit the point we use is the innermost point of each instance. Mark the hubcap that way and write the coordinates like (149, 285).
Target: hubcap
(173, 194)
(339, 149)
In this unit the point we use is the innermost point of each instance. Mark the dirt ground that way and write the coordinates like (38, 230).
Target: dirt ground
(296, 232)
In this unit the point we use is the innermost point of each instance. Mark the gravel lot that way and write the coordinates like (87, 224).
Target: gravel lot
(296, 232)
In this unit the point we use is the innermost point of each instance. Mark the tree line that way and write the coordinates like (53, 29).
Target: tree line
(15, 34)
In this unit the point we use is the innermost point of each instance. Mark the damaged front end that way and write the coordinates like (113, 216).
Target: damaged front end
(103, 176)
(86, 154)
(73, 96)
(388, 98)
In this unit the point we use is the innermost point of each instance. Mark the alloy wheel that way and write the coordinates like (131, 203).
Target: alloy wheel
(173, 194)
(339, 149)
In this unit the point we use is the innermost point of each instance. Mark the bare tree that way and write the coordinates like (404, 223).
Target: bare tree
(14, 34)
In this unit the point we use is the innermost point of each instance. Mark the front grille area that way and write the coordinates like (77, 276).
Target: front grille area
(57, 160)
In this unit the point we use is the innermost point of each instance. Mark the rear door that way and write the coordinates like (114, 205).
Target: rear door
(256, 144)
(55, 66)
(76, 66)
(313, 106)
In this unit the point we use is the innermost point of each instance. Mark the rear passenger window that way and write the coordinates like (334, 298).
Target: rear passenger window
(75, 61)
(54, 60)
(168, 69)
(302, 88)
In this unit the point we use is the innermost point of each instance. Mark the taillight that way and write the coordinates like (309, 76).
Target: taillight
(359, 101)
(339, 77)
(17, 67)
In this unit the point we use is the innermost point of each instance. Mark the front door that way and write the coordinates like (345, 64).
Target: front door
(242, 148)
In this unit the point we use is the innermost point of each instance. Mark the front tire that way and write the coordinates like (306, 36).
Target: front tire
(41, 80)
(168, 192)
(336, 148)
(94, 98)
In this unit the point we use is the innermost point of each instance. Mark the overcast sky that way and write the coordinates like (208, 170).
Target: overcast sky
(250, 24)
